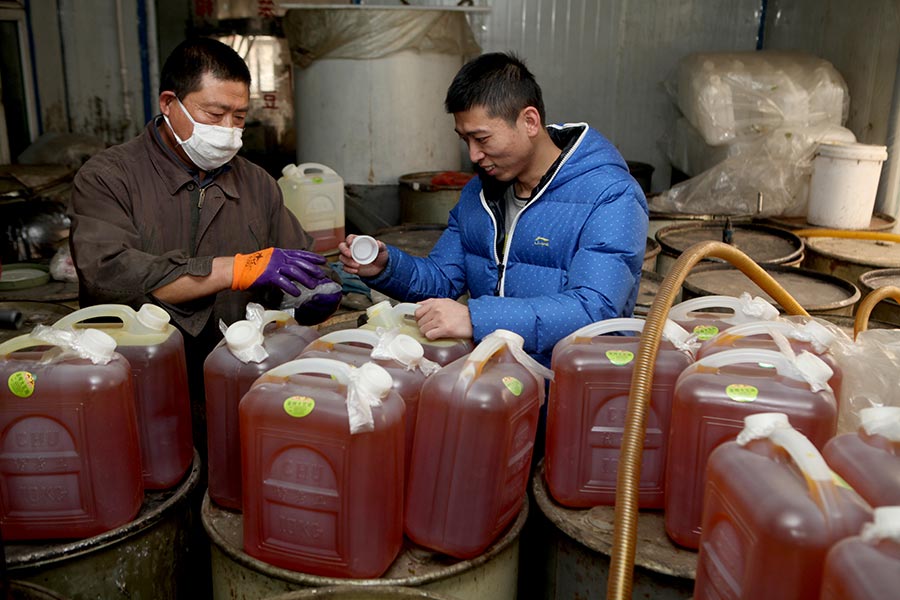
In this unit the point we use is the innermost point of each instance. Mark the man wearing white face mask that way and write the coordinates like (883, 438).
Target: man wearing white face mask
(175, 218)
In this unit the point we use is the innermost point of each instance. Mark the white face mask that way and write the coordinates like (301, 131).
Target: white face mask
(210, 146)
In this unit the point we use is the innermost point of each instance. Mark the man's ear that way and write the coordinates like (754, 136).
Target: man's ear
(165, 102)
(532, 120)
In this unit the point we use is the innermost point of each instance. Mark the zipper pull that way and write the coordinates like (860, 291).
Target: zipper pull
(500, 268)
(202, 194)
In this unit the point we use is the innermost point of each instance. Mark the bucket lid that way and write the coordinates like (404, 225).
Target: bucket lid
(762, 243)
(852, 151)
(816, 292)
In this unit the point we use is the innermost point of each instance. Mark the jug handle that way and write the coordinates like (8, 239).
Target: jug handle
(343, 336)
(127, 315)
(671, 331)
(325, 366)
(406, 311)
(275, 316)
(682, 310)
(784, 365)
(312, 166)
(21, 342)
(759, 327)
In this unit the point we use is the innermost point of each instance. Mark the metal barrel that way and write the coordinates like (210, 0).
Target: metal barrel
(237, 575)
(850, 258)
(576, 546)
(887, 310)
(22, 590)
(146, 558)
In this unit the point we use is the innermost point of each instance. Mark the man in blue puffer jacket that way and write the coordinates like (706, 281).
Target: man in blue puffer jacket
(548, 238)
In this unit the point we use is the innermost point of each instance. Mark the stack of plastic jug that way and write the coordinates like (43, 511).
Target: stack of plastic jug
(71, 463)
(771, 512)
(586, 412)
(155, 351)
(402, 317)
(867, 566)
(705, 324)
(400, 355)
(772, 335)
(315, 194)
(472, 451)
(869, 459)
(712, 398)
(323, 464)
(266, 339)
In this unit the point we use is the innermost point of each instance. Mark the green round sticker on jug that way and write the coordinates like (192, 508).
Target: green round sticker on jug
(513, 385)
(299, 406)
(740, 392)
(21, 383)
(317, 179)
(619, 357)
(705, 332)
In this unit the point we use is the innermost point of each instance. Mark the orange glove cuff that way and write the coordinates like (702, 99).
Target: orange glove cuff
(248, 268)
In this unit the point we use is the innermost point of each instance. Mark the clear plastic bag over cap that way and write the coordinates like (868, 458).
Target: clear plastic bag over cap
(315, 34)
(729, 95)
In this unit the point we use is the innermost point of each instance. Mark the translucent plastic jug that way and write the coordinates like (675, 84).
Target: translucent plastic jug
(586, 412)
(315, 194)
(70, 465)
(809, 336)
(228, 377)
(867, 566)
(772, 510)
(442, 351)
(318, 498)
(712, 398)
(355, 347)
(472, 451)
(869, 459)
(155, 350)
(693, 316)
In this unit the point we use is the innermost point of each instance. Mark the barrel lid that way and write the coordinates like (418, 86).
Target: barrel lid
(652, 248)
(872, 280)
(762, 243)
(879, 222)
(875, 253)
(816, 292)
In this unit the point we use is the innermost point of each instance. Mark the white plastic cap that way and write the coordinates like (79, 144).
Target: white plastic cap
(406, 349)
(291, 171)
(153, 317)
(98, 346)
(375, 379)
(886, 525)
(887, 516)
(364, 249)
(242, 335)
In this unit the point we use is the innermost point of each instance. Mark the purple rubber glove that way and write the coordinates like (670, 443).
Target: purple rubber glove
(318, 308)
(281, 268)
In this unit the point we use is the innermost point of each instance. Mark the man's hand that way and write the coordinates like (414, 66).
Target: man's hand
(281, 268)
(443, 318)
(370, 270)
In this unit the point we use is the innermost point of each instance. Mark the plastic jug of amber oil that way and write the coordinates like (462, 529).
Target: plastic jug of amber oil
(586, 412)
(712, 398)
(315, 194)
(70, 465)
(322, 456)
(772, 510)
(867, 566)
(704, 316)
(772, 335)
(250, 348)
(400, 355)
(472, 451)
(442, 351)
(869, 459)
(155, 350)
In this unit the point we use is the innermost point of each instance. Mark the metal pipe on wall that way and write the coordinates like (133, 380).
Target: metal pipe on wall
(123, 66)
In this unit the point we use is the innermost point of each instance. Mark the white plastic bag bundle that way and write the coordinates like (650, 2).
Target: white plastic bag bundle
(870, 366)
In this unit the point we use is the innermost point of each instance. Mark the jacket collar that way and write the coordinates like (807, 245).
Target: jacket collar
(175, 173)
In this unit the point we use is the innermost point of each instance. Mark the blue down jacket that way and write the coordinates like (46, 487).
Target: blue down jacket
(573, 255)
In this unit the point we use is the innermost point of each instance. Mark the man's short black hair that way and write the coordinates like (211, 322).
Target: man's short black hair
(192, 58)
(500, 82)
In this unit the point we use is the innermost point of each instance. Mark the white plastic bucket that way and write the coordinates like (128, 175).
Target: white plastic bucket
(843, 186)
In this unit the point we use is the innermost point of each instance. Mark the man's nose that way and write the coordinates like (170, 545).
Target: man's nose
(475, 153)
